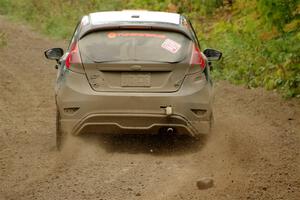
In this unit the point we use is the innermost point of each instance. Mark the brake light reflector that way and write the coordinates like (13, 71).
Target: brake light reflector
(74, 56)
(197, 58)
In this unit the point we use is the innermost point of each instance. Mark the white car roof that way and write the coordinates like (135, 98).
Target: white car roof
(133, 16)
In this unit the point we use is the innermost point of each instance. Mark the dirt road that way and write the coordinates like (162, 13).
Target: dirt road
(253, 152)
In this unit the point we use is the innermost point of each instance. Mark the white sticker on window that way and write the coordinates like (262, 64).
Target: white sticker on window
(171, 45)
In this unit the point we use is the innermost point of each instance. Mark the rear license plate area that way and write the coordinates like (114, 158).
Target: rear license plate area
(135, 79)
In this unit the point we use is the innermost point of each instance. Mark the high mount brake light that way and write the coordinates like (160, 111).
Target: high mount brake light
(73, 57)
(197, 58)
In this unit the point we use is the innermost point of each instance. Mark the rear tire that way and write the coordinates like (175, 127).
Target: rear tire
(59, 135)
(211, 124)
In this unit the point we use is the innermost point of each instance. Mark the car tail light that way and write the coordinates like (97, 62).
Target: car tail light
(197, 58)
(74, 56)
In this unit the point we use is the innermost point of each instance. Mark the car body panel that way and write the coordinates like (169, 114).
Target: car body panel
(138, 60)
(77, 93)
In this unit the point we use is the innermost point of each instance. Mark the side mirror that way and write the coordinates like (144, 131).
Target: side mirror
(54, 53)
(212, 54)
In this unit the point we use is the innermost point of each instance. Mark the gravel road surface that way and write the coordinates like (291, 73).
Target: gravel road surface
(253, 152)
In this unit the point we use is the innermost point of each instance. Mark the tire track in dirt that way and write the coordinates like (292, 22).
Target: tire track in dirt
(253, 152)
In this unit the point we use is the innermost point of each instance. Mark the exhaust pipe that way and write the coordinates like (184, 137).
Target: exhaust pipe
(170, 130)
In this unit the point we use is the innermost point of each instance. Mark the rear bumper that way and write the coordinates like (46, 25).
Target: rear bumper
(137, 124)
(84, 110)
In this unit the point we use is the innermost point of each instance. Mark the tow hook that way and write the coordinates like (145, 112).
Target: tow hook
(169, 110)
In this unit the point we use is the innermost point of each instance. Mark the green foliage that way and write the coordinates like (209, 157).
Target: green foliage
(56, 18)
(183, 6)
(3, 39)
(148, 4)
(257, 54)
(260, 39)
(278, 12)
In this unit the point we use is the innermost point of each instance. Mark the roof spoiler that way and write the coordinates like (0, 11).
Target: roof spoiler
(163, 27)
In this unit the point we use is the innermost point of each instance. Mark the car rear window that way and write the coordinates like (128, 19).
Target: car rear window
(134, 45)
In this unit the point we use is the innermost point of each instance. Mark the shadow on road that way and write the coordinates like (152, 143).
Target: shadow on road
(157, 145)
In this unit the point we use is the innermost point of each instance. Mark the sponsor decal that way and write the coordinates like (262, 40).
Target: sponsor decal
(171, 46)
(112, 35)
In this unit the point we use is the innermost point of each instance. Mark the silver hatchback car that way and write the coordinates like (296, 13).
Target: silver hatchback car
(133, 72)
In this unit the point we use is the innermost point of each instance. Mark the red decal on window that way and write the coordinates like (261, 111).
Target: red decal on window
(111, 35)
(153, 35)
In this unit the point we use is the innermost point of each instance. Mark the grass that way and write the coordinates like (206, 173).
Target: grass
(256, 54)
(3, 39)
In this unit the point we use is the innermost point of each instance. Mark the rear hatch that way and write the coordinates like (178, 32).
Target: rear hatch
(135, 60)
